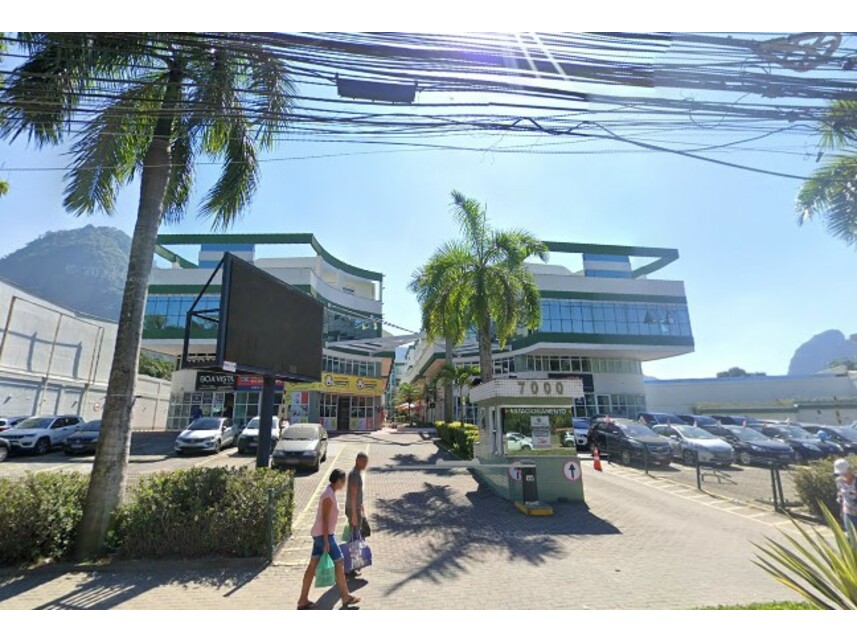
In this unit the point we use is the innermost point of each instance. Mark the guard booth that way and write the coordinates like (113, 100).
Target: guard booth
(523, 423)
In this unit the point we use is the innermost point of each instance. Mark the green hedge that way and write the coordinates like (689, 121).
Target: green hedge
(816, 484)
(458, 436)
(40, 516)
(197, 513)
(193, 513)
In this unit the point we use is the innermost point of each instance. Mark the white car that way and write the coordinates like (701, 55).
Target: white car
(518, 442)
(692, 444)
(42, 433)
(206, 435)
(249, 438)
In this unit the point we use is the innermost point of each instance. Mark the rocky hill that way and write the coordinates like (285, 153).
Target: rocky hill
(816, 354)
(83, 269)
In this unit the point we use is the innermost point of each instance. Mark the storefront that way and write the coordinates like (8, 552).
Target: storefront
(339, 402)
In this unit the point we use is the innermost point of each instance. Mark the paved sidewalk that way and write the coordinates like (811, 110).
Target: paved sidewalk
(441, 542)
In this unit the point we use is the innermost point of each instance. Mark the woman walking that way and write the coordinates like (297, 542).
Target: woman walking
(324, 542)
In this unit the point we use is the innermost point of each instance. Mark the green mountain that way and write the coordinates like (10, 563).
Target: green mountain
(82, 269)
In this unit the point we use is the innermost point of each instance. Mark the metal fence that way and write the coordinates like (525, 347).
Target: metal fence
(765, 484)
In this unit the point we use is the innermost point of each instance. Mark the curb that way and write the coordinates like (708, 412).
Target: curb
(116, 566)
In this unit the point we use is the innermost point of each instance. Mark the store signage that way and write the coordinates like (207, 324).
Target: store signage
(254, 383)
(230, 367)
(345, 384)
(214, 381)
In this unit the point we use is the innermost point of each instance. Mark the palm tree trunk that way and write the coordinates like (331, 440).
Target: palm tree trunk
(109, 471)
(486, 365)
(448, 396)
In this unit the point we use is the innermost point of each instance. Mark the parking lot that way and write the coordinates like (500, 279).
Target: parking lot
(151, 452)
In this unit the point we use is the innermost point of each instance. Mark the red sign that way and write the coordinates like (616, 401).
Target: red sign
(253, 383)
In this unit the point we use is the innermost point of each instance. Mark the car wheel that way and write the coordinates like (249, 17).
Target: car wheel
(217, 446)
(324, 457)
(688, 457)
(4, 452)
(799, 458)
(625, 457)
(317, 465)
(525, 448)
(744, 458)
(42, 446)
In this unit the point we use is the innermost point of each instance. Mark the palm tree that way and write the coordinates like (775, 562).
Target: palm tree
(4, 187)
(460, 376)
(480, 281)
(148, 105)
(408, 393)
(831, 192)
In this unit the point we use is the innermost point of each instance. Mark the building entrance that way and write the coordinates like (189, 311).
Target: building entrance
(343, 414)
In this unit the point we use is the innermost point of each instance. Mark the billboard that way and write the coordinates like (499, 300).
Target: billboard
(345, 384)
(267, 326)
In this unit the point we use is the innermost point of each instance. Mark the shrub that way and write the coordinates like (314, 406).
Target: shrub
(816, 485)
(40, 516)
(197, 513)
(458, 436)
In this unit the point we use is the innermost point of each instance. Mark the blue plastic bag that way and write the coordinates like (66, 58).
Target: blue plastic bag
(325, 572)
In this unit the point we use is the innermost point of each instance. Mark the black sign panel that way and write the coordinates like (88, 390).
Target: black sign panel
(267, 326)
(214, 381)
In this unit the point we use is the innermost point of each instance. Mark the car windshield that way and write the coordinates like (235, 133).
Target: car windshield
(798, 433)
(253, 424)
(35, 423)
(747, 434)
(205, 423)
(638, 431)
(847, 433)
(298, 432)
(695, 433)
(580, 424)
(667, 418)
(94, 425)
(704, 421)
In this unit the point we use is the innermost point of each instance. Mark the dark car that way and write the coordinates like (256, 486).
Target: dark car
(738, 420)
(301, 445)
(651, 419)
(806, 446)
(11, 421)
(702, 421)
(844, 436)
(4, 449)
(629, 441)
(752, 447)
(84, 440)
(578, 436)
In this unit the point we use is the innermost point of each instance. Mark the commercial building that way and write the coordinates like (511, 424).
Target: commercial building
(356, 360)
(603, 316)
(824, 398)
(54, 360)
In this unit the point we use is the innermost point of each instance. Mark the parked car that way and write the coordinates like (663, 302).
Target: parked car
(84, 440)
(249, 438)
(40, 434)
(11, 421)
(651, 419)
(693, 444)
(702, 421)
(4, 449)
(579, 434)
(301, 445)
(206, 435)
(806, 445)
(518, 442)
(630, 441)
(738, 420)
(844, 436)
(753, 447)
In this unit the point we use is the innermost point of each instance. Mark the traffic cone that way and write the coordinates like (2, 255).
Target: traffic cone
(596, 459)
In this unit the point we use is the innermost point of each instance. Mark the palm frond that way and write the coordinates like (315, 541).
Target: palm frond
(822, 572)
(831, 194)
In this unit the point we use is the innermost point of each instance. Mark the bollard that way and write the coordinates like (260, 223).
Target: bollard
(698, 473)
(646, 459)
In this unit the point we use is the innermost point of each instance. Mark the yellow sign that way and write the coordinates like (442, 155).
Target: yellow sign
(344, 384)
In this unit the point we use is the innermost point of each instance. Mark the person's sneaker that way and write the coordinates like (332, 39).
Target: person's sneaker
(353, 574)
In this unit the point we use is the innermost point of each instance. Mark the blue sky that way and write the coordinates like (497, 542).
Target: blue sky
(757, 284)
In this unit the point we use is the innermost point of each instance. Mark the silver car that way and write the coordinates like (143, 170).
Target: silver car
(692, 444)
(206, 435)
(301, 445)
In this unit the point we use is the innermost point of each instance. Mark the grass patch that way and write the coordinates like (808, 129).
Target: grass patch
(771, 605)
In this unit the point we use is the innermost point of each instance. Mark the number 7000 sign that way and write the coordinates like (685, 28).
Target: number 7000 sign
(550, 388)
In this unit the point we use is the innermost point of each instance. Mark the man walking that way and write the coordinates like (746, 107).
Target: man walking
(354, 508)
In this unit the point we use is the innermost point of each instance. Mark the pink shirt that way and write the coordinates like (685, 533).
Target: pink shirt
(332, 517)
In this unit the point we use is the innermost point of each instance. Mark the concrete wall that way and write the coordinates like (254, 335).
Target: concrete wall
(825, 399)
(54, 360)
